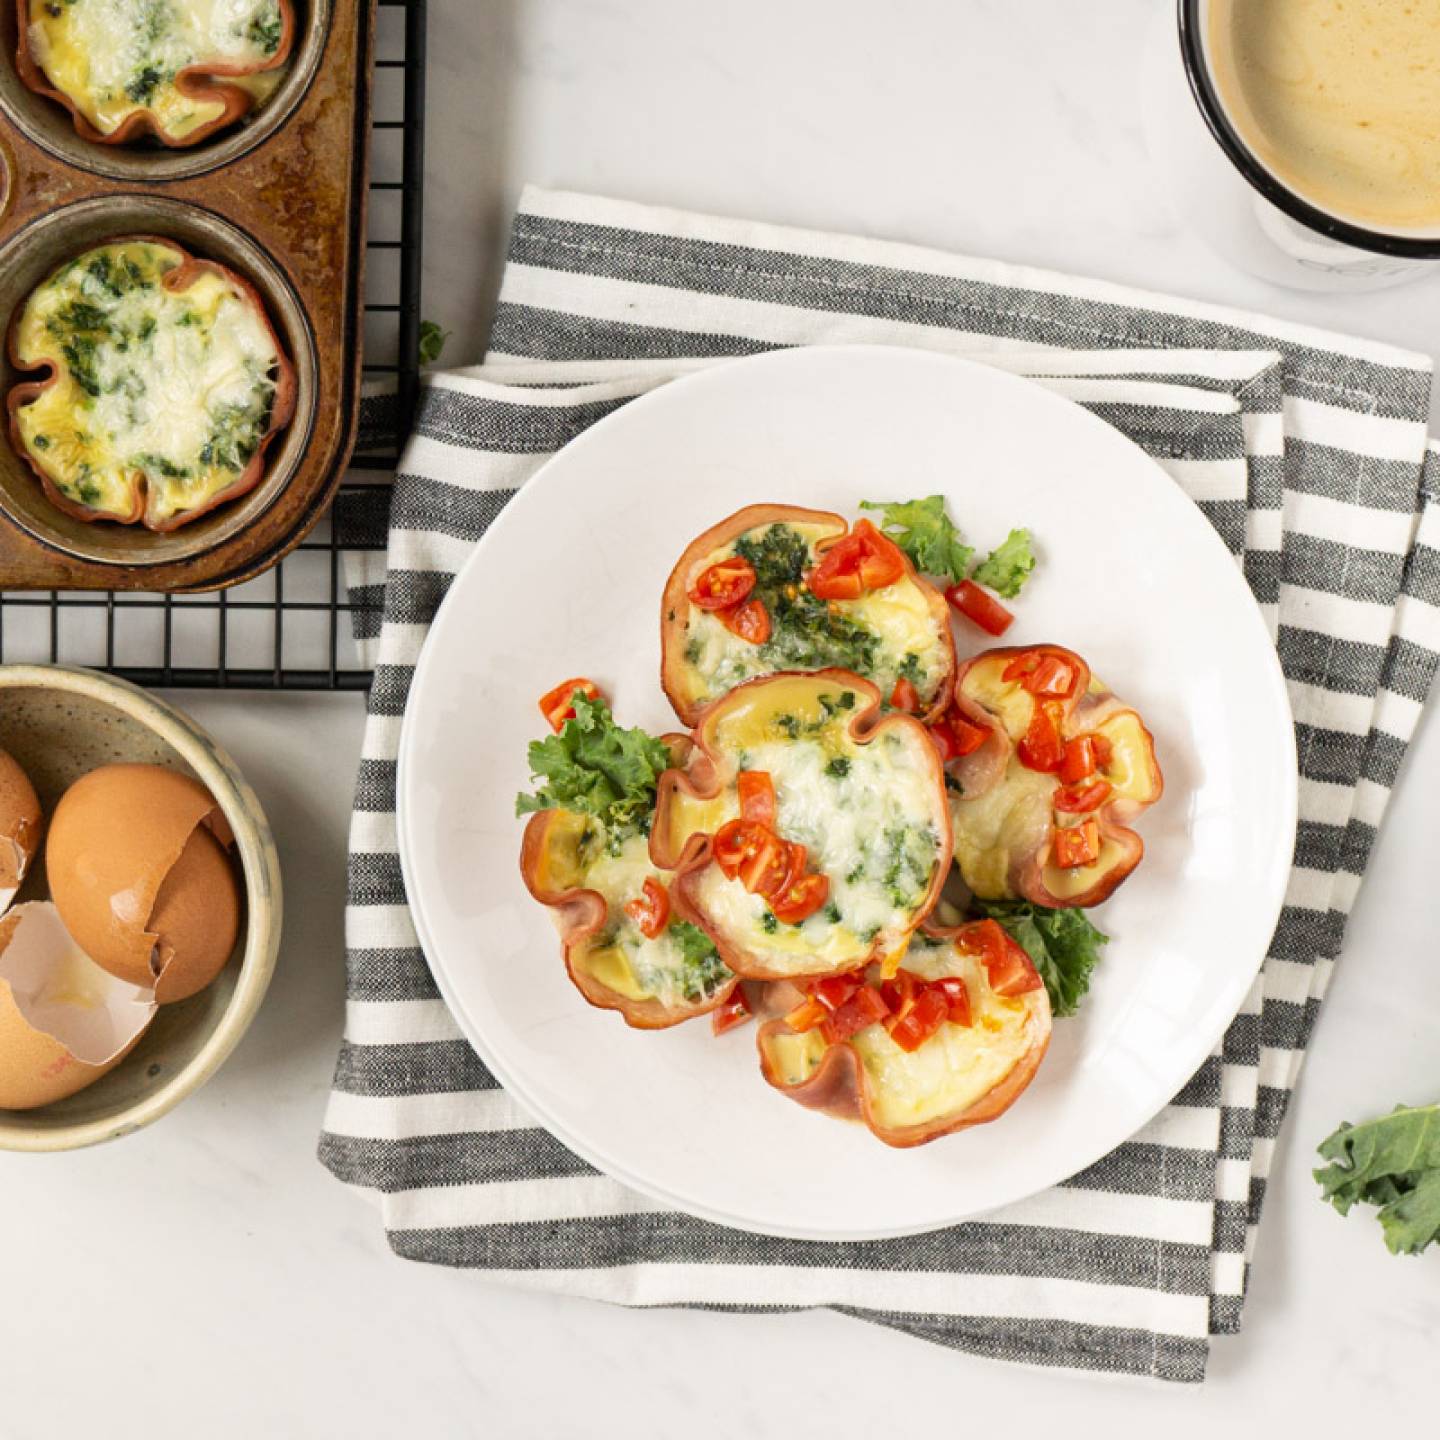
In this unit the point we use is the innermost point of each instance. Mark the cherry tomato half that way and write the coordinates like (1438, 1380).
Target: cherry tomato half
(860, 561)
(736, 842)
(750, 621)
(799, 901)
(723, 584)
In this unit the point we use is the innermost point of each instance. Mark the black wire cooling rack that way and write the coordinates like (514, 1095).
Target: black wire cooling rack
(295, 627)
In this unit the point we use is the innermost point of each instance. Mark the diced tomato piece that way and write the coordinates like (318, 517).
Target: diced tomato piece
(558, 705)
(864, 1008)
(757, 796)
(899, 992)
(1041, 747)
(835, 990)
(863, 560)
(1082, 799)
(905, 696)
(802, 899)
(836, 575)
(1052, 677)
(835, 585)
(955, 736)
(1041, 674)
(750, 621)
(969, 737)
(922, 1020)
(881, 561)
(735, 1011)
(1079, 761)
(650, 910)
(723, 584)
(765, 871)
(957, 998)
(807, 1016)
(1010, 970)
(1075, 845)
(736, 842)
(980, 607)
(797, 857)
(1104, 750)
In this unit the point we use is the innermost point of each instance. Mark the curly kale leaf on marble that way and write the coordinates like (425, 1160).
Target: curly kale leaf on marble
(1392, 1163)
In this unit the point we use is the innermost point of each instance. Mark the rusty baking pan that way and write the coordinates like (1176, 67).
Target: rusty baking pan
(278, 199)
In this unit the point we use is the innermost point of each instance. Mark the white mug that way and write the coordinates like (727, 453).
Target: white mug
(1236, 203)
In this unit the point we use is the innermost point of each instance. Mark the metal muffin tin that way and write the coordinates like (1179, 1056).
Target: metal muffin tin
(279, 199)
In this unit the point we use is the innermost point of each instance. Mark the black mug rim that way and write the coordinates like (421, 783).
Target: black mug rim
(1192, 52)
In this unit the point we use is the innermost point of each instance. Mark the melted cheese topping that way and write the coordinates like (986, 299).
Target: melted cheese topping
(959, 1064)
(872, 817)
(1128, 770)
(796, 1057)
(1066, 884)
(907, 638)
(169, 390)
(619, 956)
(1013, 817)
(113, 58)
(1007, 700)
(993, 829)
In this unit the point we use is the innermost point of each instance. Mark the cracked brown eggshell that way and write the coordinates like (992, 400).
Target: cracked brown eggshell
(20, 826)
(137, 864)
(64, 1022)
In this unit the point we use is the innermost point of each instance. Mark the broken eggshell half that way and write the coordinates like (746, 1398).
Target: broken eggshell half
(64, 1022)
(138, 868)
(20, 826)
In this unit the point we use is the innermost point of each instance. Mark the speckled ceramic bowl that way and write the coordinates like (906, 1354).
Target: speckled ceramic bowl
(59, 723)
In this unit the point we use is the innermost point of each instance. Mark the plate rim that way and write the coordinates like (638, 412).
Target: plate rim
(1276, 877)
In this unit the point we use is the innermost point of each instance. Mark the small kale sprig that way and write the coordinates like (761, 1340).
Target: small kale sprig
(926, 533)
(596, 767)
(1064, 945)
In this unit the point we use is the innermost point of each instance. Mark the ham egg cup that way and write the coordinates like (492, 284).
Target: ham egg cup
(625, 948)
(950, 1041)
(809, 834)
(175, 73)
(1041, 811)
(165, 383)
(777, 588)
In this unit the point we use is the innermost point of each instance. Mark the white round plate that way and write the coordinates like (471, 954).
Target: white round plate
(567, 582)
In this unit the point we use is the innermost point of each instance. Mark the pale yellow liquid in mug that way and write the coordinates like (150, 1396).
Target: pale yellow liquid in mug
(1340, 100)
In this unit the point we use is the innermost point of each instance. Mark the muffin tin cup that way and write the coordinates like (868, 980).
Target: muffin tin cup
(51, 126)
(280, 200)
(33, 253)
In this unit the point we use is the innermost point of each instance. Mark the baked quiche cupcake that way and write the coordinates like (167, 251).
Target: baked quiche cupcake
(166, 383)
(173, 70)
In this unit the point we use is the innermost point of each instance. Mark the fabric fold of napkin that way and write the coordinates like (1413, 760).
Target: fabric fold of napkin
(1307, 453)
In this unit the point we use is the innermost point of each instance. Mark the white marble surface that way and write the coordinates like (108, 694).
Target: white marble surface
(207, 1277)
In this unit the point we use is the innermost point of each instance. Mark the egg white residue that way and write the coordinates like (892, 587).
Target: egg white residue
(61, 992)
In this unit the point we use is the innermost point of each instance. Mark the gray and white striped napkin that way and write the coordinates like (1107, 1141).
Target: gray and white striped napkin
(1307, 453)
